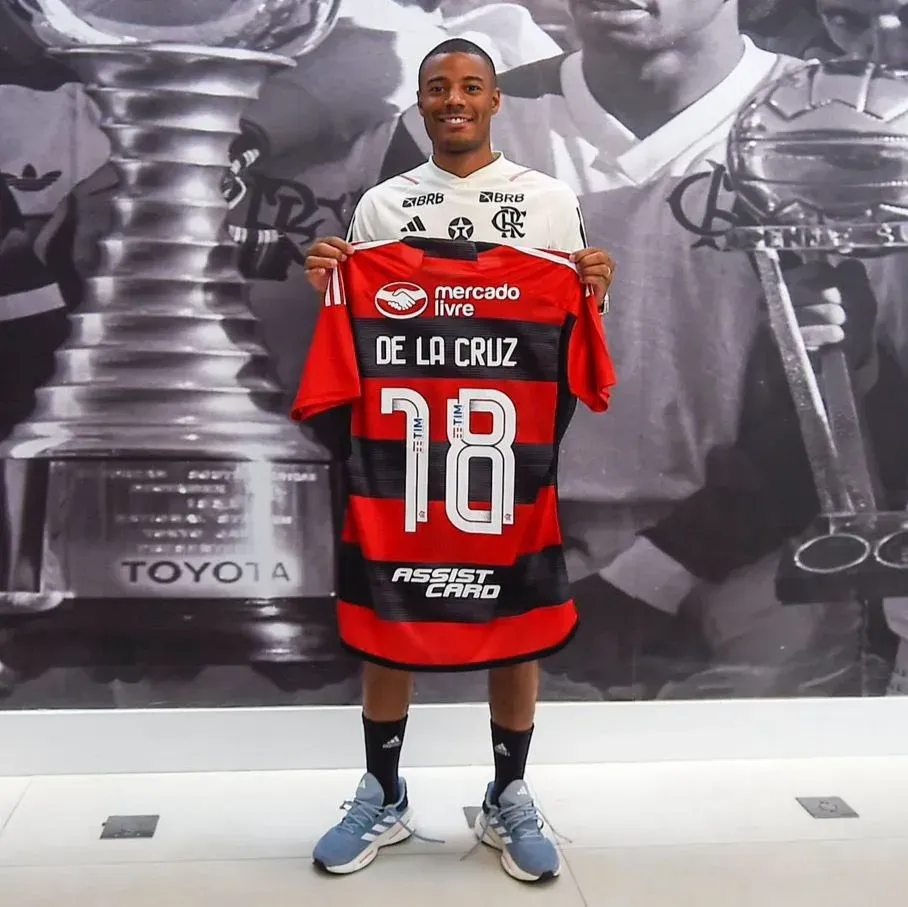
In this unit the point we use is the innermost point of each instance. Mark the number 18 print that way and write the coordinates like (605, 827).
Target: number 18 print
(466, 445)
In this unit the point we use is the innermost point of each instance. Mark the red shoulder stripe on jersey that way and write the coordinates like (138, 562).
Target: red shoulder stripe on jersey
(517, 176)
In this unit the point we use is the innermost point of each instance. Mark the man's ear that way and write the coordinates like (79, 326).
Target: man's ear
(496, 101)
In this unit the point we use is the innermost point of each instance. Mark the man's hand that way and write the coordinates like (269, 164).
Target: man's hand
(323, 257)
(834, 305)
(596, 268)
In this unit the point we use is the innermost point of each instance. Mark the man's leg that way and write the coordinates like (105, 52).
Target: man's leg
(508, 820)
(386, 702)
(379, 813)
(512, 702)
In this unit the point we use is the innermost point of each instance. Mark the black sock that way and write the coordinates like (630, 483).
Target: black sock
(384, 740)
(510, 749)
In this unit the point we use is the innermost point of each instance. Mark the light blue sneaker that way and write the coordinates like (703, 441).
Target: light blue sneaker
(368, 826)
(514, 827)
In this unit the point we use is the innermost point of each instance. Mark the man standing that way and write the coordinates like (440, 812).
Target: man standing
(464, 191)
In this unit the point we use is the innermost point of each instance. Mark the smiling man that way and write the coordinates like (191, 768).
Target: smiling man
(464, 191)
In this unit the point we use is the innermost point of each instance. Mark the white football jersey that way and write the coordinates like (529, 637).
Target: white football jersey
(502, 202)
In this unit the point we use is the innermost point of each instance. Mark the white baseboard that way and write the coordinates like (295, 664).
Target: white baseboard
(263, 739)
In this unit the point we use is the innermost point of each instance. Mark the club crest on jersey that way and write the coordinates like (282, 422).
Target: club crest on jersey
(401, 300)
(500, 198)
(510, 222)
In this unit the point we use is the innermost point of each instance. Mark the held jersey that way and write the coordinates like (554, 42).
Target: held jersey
(463, 364)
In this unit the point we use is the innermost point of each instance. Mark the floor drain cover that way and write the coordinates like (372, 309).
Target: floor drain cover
(129, 827)
(827, 808)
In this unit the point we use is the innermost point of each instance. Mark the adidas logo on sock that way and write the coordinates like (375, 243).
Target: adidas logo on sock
(414, 226)
(502, 750)
(392, 743)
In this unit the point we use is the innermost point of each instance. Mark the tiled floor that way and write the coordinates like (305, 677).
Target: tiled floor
(657, 835)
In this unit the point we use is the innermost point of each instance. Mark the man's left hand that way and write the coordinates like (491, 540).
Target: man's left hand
(596, 268)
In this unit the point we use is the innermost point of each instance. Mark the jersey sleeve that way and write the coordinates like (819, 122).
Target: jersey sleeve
(567, 229)
(567, 232)
(331, 374)
(363, 225)
(591, 374)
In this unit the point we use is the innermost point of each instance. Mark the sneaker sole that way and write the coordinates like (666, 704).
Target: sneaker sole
(490, 838)
(397, 834)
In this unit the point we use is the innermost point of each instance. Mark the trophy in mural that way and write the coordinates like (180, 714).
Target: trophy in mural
(820, 159)
(159, 462)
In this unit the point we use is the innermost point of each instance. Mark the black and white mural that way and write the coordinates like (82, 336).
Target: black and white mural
(735, 525)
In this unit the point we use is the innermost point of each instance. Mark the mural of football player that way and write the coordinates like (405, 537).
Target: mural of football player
(677, 508)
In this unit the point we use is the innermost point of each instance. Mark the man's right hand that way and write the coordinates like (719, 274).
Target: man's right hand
(323, 257)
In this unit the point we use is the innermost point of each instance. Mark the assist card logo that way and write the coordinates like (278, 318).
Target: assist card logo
(401, 300)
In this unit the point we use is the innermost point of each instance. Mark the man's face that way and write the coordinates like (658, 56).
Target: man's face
(457, 99)
(650, 25)
(854, 26)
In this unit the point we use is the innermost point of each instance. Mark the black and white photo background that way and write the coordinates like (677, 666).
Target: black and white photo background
(149, 269)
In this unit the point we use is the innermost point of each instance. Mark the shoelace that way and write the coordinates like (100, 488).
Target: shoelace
(524, 820)
(361, 813)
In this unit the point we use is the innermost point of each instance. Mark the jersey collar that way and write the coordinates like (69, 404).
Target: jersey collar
(642, 160)
(418, 260)
(489, 173)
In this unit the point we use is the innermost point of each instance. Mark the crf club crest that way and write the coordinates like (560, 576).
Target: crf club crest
(509, 222)
(704, 204)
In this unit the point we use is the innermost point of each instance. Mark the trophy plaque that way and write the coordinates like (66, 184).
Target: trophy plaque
(819, 158)
(159, 478)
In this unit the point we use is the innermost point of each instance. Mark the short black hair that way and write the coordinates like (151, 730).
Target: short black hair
(458, 46)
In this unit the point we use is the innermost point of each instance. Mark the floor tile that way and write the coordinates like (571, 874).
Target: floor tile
(439, 879)
(795, 874)
(12, 791)
(627, 805)
(243, 815)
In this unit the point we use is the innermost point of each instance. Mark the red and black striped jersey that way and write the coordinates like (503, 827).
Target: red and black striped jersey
(463, 364)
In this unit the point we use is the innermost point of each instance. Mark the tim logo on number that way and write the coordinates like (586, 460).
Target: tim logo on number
(401, 300)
